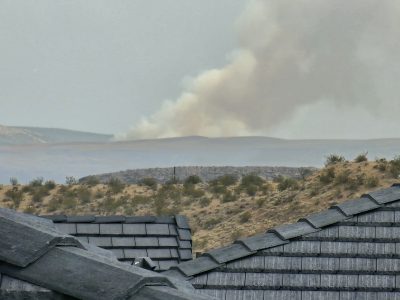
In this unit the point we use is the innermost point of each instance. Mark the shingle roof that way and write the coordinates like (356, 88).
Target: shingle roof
(350, 251)
(39, 262)
(166, 240)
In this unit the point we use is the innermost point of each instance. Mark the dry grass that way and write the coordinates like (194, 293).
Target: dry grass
(215, 221)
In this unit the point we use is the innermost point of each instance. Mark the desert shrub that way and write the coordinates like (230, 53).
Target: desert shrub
(39, 193)
(191, 191)
(92, 180)
(304, 173)
(212, 222)
(70, 180)
(245, 217)
(53, 204)
(236, 234)
(260, 202)
(288, 183)
(193, 179)
(265, 188)
(84, 194)
(140, 199)
(116, 185)
(68, 202)
(109, 204)
(50, 185)
(342, 177)
(15, 195)
(13, 181)
(30, 209)
(372, 181)
(361, 157)
(99, 194)
(36, 182)
(226, 180)
(149, 182)
(334, 159)
(382, 164)
(251, 189)
(204, 201)
(218, 189)
(327, 175)
(229, 197)
(252, 179)
(394, 167)
(159, 205)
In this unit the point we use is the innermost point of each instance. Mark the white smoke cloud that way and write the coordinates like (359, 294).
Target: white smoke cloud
(292, 54)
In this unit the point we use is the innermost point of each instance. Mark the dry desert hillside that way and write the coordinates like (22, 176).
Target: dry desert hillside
(219, 211)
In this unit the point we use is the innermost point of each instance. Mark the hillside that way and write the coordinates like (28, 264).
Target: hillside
(219, 211)
(163, 175)
(56, 161)
(36, 135)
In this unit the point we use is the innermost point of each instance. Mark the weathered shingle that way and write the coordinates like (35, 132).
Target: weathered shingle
(351, 251)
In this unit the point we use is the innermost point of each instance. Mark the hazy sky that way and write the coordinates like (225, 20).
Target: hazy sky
(158, 68)
(100, 65)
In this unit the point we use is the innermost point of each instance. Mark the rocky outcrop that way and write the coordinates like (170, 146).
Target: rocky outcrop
(163, 175)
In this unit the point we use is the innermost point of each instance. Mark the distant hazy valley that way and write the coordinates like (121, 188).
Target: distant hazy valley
(27, 153)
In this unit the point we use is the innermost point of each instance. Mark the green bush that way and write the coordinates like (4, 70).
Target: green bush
(39, 193)
(260, 202)
(218, 189)
(13, 181)
(245, 217)
(116, 185)
(15, 195)
(252, 179)
(327, 176)
(229, 197)
(193, 179)
(191, 191)
(36, 182)
(204, 201)
(251, 189)
(394, 167)
(334, 159)
(361, 157)
(382, 164)
(50, 185)
(372, 181)
(343, 177)
(70, 180)
(149, 182)
(92, 180)
(84, 194)
(288, 183)
(225, 180)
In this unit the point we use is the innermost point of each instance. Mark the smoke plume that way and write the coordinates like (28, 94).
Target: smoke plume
(291, 54)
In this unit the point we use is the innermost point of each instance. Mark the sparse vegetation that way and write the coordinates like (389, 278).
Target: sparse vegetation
(193, 179)
(149, 182)
(361, 157)
(220, 210)
(334, 159)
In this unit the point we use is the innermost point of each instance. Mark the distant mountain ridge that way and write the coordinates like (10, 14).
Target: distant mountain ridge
(16, 135)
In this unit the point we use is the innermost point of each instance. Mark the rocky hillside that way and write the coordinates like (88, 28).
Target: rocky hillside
(163, 175)
(219, 211)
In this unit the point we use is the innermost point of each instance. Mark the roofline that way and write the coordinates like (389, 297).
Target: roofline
(283, 234)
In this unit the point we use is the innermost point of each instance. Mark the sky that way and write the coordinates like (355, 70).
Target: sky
(153, 69)
(100, 65)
